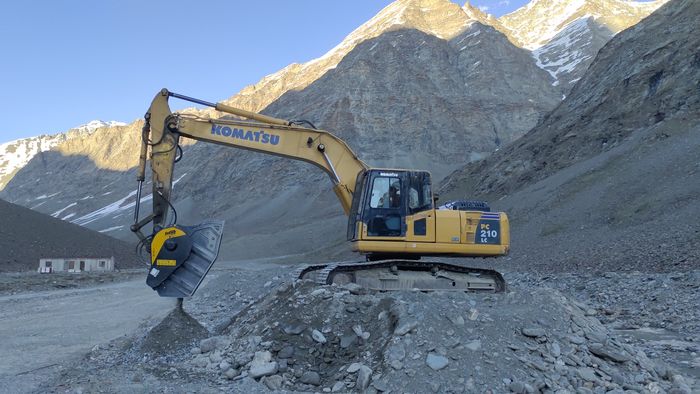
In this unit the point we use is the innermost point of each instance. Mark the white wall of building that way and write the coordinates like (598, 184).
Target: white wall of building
(77, 264)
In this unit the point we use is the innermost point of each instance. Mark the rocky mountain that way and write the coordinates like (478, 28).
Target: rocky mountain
(538, 22)
(551, 29)
(421, 85)
(439, 18)
(27, 235)
(610, 177)
(16, 154)
(565, 35)
(424, 84)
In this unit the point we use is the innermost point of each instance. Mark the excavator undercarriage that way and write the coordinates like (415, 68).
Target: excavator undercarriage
(393, 275)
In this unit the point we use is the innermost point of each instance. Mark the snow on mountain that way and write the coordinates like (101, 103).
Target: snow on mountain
(96, 124)
(16, 154)
(564, 36)
(571, 51)
(541, 20)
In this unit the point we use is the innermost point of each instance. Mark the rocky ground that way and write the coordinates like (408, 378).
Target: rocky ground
(25, 282)
(256, 330)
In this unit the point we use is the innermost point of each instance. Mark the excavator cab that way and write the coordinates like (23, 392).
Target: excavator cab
(385, 199)
(393, 215)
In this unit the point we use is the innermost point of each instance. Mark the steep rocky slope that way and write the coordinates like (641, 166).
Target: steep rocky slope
(610, 178)
(439, 18)
(565, 35)
(16, 154)
(540, 20)
(26, 236)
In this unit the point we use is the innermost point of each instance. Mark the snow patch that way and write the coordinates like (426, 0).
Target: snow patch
(55, 214)
(96, 124)
(558, 56)
(110, 229)
(118, 206)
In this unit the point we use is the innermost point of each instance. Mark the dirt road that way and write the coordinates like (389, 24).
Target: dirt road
(44, 332)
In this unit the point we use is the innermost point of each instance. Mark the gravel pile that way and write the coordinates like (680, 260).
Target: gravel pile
(338, 339)
(575, 333)
(656, 312)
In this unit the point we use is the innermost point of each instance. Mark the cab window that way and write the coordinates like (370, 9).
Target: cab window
(420, 197)
(386, 193)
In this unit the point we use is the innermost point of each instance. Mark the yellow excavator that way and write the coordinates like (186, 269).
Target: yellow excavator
(392, 215)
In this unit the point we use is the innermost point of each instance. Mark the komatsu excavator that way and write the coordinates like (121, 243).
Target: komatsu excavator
(392, 217)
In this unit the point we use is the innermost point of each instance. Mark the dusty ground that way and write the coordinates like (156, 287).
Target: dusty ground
(539, 336)
(24, 282)
(47, 332)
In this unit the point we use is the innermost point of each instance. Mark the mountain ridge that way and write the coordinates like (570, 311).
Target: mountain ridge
(536, 23)
(485, 93)
(398, 100)
(17, 153)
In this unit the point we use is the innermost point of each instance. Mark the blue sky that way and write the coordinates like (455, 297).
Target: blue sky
(65, 63)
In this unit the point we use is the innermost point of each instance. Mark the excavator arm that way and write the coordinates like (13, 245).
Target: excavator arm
(170, 245)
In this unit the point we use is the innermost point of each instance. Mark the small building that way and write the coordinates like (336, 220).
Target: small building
(76, 264)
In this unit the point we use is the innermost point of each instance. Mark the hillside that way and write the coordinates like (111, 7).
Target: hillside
(412, 93)
(610, 178)
(26, 236)
(16, 154)
(423, 84)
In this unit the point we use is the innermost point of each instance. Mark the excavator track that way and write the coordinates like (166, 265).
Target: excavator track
(392, 275)
(309, 271)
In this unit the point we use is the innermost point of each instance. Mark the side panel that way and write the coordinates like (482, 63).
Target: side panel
(421, 227)
(457, 233)
(429, 248)
(448, 227)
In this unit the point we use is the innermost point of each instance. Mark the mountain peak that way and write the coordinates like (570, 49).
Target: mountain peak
(441, 18)
(96, 124)
(540, 20)
(475, 12)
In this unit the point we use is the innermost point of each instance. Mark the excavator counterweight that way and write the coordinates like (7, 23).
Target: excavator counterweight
(392, 215)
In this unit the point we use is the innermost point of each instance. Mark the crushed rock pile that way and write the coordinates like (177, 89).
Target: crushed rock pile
(340, 339)
(176, 330)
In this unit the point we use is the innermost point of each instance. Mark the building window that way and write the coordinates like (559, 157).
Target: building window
(71, 265)
(102, 264)
(47, 264)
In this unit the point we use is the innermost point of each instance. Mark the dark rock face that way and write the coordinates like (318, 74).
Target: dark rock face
(609, 180)
(644, 76)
